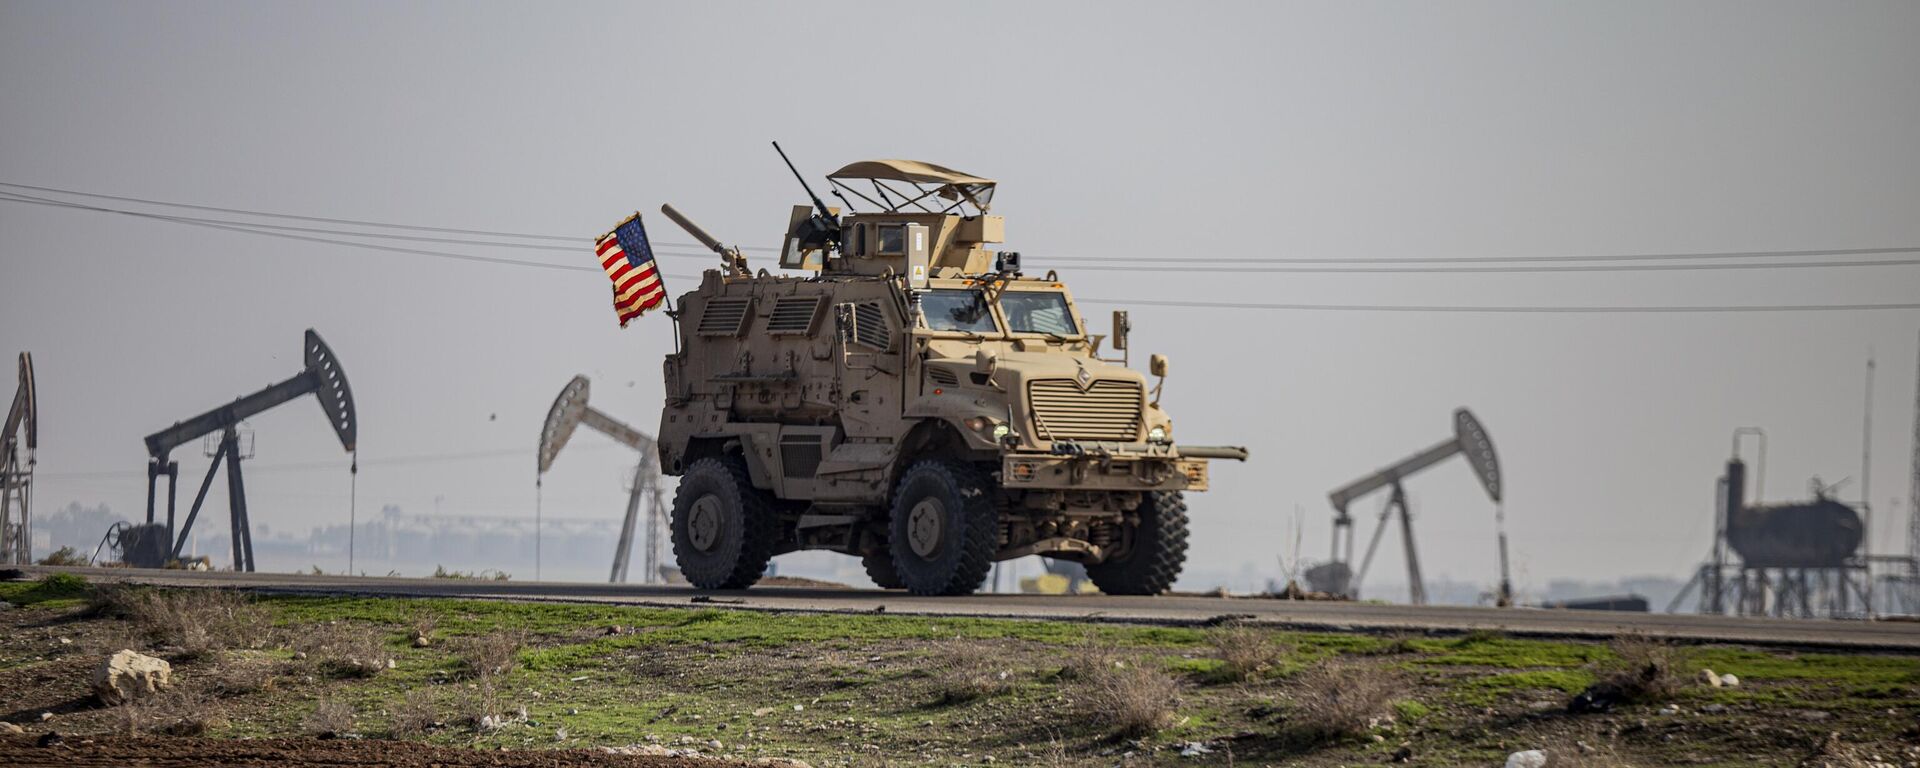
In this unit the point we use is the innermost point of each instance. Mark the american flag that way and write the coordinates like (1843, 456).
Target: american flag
(628, 260)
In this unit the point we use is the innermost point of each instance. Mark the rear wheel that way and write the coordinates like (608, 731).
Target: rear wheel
(1159, 548)
(943, 529)
(724, 529)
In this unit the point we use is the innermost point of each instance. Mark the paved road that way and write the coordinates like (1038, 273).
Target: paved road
(1169, 609)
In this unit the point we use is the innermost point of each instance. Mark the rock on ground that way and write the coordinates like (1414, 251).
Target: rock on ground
(128, 675)
(1532, 758)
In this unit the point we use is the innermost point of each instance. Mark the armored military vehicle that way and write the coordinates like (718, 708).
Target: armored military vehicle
(914, 399)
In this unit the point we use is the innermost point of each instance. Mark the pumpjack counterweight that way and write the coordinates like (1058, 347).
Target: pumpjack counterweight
(322, 377)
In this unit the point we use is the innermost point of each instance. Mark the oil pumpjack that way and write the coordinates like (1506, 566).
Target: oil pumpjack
(569, 411)
(17, 444)
(153, 546)
(1469, 439)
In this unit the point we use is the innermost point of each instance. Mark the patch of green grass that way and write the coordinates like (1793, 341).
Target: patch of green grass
(54, 590)
(1857, 669)
(1488, 650)
(1410, 711)
(1487, 689)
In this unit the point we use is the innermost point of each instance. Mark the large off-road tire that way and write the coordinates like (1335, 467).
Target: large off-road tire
(943, 529)
(724, 529)
(879, 565)
(1159, 549)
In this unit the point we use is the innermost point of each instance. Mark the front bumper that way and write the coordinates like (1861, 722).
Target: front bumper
(1104, 467)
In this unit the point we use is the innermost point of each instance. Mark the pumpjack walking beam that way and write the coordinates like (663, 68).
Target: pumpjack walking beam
(1470, 439)
(569, 411)
(323, 377)
(17, 443)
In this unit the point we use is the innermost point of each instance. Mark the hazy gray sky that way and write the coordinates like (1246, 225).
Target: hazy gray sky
(1116, 129)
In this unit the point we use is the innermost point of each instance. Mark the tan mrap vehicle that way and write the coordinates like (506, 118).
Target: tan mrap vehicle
(916, 401)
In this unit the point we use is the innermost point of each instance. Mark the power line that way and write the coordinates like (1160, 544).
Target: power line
(248, 229)
(1543, 309)
(332, 220)
(1067, 258)
(1174, 268)
(1499, 259)
(1161, 268)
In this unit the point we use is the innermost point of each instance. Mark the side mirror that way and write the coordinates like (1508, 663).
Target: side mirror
(919, 256)
(1121, 325)
(1157, 365)
(844, 323)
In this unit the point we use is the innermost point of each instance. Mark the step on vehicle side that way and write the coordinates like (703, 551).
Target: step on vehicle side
(913, 399)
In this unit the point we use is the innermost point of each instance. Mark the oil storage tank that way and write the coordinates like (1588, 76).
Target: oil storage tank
(1821, 533)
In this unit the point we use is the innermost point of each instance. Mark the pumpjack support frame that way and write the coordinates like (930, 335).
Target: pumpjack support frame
(18, 441)
(322, 377)
(569, 411)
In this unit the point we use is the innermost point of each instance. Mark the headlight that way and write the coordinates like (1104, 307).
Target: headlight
(1000, 432)
(1157, 435)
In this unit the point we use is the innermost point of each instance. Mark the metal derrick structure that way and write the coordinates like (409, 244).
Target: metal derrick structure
(569, 411)
(17, 444)
(152, 546)
(1469, 439)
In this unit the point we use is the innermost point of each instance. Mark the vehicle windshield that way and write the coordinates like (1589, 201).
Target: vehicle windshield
(1038, 312)
(961, 310)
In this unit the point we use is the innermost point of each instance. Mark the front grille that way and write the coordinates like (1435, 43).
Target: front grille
(1107, 410)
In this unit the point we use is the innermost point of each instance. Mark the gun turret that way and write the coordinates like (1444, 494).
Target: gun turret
(820, 230)
(730, 256)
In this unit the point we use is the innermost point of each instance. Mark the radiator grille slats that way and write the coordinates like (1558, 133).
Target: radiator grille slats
(793, 314)
(726, 316)
(870, 327)
(1106, 410)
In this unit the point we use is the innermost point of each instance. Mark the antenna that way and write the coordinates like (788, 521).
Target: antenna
(817, 204)
(819, 230)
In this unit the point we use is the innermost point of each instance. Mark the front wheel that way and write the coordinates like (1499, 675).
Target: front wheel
(1158, 549)
(943, 530)
(724, 529)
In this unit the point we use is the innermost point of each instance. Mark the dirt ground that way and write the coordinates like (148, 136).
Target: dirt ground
(875, 690)
(117, 752)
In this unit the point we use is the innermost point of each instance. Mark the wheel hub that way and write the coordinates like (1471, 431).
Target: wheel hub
(925, 527)
(705, 523)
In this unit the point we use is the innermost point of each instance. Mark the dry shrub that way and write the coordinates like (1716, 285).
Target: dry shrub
(1135, 700)
(243, 674)
(1337, 700)
(413, 716)
(113, 600)
(964, 673)
(64, 556)
(487, 659)
(1643, 670)
(491, 655)
(1090, 660)
(330, 717)
(198, 622)
(343, 649)
(1245, 653)
(421, 624)
(170, 713)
